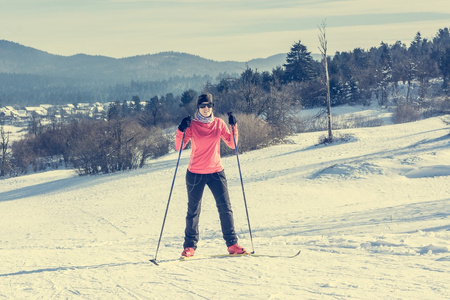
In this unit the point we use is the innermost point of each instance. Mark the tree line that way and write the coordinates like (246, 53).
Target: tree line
(134, 130)
(33, 90)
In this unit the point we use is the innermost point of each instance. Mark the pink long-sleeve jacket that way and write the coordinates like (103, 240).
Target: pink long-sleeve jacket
(205, 144)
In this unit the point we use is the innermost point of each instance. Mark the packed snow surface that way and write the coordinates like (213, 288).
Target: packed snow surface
(371, 216)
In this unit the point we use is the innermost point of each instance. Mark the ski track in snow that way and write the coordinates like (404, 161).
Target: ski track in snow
(371, 216)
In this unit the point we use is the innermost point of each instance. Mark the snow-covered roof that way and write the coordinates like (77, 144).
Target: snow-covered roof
(36, 109)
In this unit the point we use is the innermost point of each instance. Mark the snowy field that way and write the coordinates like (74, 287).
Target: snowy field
(14, 132)
(371, 217)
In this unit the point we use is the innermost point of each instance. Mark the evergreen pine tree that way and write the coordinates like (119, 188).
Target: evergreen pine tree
(299, 64)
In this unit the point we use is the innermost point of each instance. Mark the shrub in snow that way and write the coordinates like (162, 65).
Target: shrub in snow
(405, 112)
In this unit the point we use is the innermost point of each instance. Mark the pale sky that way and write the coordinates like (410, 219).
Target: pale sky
(221, 30)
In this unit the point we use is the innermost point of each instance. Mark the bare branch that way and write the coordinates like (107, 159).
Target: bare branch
(323, 38)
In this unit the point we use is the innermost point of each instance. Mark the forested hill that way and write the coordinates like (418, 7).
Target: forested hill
(22, 67)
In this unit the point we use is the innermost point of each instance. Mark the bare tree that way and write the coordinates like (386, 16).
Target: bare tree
(4, 144)
(323, 49)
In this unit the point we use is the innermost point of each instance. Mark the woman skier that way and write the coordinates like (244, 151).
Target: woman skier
(205, 168)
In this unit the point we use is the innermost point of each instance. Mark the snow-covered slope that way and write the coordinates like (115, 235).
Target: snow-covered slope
(371, 216)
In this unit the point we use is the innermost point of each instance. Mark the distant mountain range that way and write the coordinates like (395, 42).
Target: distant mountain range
(19, 59)
(29, 75)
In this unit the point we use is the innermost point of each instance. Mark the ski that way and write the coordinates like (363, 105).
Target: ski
(217, 256)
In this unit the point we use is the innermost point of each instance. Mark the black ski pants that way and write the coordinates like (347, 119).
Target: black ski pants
(217, 183)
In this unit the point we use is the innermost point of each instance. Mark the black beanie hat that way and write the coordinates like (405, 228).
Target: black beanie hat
(207, 97)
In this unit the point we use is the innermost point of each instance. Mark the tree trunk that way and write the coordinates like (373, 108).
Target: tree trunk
(323, 49)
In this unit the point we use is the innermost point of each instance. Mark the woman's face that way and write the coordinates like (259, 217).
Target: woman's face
(205, 109)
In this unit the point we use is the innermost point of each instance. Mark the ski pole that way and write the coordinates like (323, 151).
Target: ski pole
(168, 201)
(243, 191)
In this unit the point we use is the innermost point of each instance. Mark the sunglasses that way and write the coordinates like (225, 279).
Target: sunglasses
(209, 105)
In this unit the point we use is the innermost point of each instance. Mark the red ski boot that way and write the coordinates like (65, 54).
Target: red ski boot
(188, 252)
(236, 249)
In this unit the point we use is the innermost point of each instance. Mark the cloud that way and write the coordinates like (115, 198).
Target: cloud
(217, 29)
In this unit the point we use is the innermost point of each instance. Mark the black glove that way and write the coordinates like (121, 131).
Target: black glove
(185, 123)
(231, 119)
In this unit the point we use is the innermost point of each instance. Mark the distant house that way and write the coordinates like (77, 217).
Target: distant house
(19, 113)
(9, 111)
(4, 112)
(46, 106)
(68, 109)
(83, 109)
(36, 110)
(12, 115)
